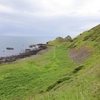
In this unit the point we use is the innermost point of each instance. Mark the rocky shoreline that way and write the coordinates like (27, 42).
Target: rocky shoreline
(26, 53)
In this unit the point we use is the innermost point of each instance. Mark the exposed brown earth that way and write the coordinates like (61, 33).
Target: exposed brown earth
(80, 55)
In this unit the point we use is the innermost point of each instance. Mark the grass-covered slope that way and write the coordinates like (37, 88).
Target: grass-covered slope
(24, 79)
(57, 74)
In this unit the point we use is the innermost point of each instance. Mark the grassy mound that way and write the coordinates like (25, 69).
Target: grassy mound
(60, 40)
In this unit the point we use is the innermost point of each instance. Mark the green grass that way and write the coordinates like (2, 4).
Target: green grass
(28, 77)
(53, 75)
(48, 77)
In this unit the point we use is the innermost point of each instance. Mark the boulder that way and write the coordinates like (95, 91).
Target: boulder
(27, 50)
(33, 45)
(9, 48)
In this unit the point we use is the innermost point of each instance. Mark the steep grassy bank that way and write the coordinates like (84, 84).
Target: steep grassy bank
(23, 79)
(84, 83)
(55, 75)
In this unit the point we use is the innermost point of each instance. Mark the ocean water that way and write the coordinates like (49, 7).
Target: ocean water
(19, 44)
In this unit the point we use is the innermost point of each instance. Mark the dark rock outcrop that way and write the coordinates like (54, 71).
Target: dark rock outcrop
(26, 53)
(33, 45)
(9, 48)
(27, 50)
(42, 46)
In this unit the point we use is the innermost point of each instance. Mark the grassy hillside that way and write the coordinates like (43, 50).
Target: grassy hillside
(25, 78)
(58, 74)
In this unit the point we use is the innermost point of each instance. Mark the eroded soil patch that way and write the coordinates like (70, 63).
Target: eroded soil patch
(80, 55)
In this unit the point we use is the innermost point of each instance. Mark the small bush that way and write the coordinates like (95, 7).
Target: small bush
(86, 38)
(77, 69)
(72, 46)
(57, 82)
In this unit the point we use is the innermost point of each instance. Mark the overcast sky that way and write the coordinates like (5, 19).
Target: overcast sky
(48, 18)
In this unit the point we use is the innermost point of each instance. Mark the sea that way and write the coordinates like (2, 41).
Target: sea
(19, 43)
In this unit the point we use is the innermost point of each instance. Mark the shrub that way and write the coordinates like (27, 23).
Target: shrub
(77, 69)
(57, 82)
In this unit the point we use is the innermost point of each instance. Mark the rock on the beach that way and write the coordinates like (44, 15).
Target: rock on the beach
(26, 53)
(42, 46)
(9, 48)
(27, 50)
(33, 45)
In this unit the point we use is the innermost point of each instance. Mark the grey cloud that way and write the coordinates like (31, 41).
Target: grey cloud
(24, 22)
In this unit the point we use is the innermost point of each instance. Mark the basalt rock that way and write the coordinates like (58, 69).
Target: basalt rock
(33, 45)
(27, 50)
(26, 53)
(9, 48)
(42, 46)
